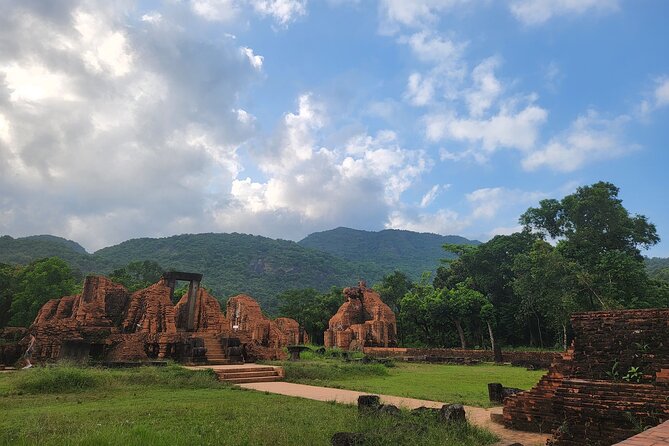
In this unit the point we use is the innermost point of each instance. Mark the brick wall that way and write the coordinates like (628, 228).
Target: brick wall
(537, 359)
(583, 405)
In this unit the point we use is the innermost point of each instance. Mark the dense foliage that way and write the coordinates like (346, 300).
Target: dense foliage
(23, 290)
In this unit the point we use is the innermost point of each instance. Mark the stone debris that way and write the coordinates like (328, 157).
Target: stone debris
(362, 321)
(108, 323)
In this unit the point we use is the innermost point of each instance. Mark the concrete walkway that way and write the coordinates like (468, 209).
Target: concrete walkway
(475, 415)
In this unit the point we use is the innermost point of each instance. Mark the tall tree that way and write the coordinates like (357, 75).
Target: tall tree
(601, 242)
(37, 283)
(311, 309)
(392, 288)
(8, 275)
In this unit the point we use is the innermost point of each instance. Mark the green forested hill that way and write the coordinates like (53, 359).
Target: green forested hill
(658, 268)
(26, 249)
(410, 252)
(240, 263)
(259, 266)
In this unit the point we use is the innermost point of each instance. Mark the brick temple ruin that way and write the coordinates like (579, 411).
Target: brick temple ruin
(590, 395)
(362, 321)
(107, 323)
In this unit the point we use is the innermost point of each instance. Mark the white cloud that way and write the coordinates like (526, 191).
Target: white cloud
(487, 202)
(444, 222)
(446, 73)
(486, 87)
(589, 138)
(430, 195)
(508, 128)
(254, 59)
(433, 48)
(505, 230)
(662, 92)
(308, 186)
(216, 10)
(152, 17)
(97, 147)
(420, 91)
(282, 11)
(413, 13)
(536, 12)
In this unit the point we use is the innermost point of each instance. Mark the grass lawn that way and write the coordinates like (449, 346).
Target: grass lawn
(464, 384)
(149, 406)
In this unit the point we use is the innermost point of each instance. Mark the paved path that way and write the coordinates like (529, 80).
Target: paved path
(476, 415)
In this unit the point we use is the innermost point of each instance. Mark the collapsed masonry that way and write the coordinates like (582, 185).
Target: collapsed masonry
(108, 323)
(591, 394)
(362, 321)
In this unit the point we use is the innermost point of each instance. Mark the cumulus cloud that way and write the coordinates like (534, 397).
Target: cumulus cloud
(536, 12)
(447, 67)
(282, 11)
(487, 202)
(443, 221)
(415, 13)
(510, 128)
(308, 186)
(97, 147)
(589, 138)
(486, 89)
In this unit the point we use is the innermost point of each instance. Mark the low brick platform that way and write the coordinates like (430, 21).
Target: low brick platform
(457, 355)
(657, 436)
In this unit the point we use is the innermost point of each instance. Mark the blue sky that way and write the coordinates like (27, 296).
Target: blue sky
(284, 117)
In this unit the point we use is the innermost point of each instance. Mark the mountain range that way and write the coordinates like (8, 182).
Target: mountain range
(259, 266)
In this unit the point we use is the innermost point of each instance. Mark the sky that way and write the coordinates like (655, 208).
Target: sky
(127, 119)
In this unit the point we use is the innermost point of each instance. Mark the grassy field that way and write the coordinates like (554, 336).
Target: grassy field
(464, 384)
(157, 406)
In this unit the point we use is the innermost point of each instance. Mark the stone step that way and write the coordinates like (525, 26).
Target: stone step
(252, 380)
(243, 369)
(226, 375)
(219, 362)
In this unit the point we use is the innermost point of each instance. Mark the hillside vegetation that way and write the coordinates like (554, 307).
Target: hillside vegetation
(259, 266)
(390, 249)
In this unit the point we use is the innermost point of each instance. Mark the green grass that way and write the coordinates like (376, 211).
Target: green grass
(464, 384)
(156, 406)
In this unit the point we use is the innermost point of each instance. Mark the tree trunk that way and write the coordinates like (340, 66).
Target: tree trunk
(463, 343)
(541, 339)
(564, 336)
(496, 354)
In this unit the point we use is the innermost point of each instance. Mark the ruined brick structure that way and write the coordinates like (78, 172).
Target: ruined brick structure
(585, 399)
(108, 323)
(362, 321)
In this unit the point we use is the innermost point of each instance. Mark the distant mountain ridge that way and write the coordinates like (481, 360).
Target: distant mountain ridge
(260, 266)
(391, 249)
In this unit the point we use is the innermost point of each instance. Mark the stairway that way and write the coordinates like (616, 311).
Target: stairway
(248, 374)
(215, 352)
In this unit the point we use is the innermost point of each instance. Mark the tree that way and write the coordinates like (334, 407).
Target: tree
(8, 275)
(137, 275)
(311, 309)
(600, 242)
(544, 282)
(463, 305)
(392, 288)
(488, 269)
(37, 283)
